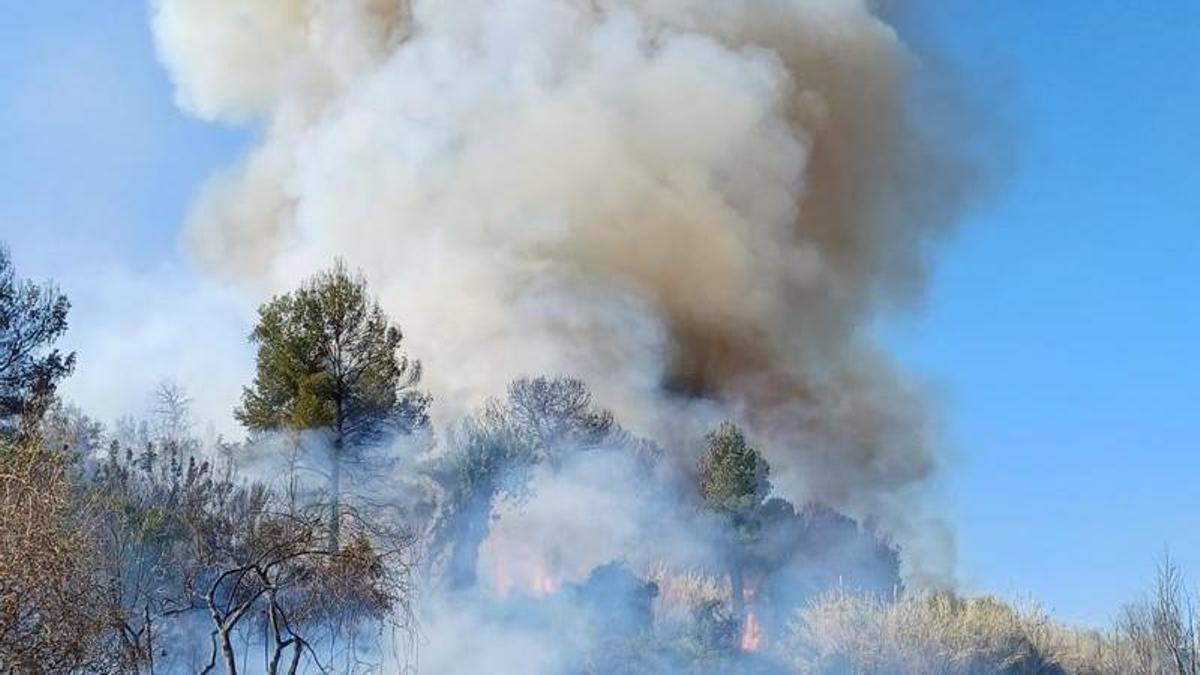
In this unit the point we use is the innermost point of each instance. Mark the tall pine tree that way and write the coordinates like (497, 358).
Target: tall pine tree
(734, 484)
(329, 359)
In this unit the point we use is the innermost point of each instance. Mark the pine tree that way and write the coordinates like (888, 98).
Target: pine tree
(734, 484)
(329, 359)
(32, 318)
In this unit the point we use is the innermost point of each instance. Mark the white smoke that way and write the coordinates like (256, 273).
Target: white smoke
(693, 205)
(598, 507)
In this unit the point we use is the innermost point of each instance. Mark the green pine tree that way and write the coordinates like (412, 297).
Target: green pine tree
(734, 484)
(32, 318)
(329, 359)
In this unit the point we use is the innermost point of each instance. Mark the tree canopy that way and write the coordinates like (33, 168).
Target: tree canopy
(32, 318)
(328, 356)
(493, 453)
(733, 475)
(733, 483)
(329, 359)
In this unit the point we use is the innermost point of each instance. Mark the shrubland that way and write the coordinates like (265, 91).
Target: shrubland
(320, 542)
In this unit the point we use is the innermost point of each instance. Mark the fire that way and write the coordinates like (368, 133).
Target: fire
(543, 584)
(502, 580)
(752, 630)
(752, 633)
(531, 577)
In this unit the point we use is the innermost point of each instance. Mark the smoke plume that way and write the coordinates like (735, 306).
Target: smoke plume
(694, 205)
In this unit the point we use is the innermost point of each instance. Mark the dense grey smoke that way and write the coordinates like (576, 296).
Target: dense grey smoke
(694, 205)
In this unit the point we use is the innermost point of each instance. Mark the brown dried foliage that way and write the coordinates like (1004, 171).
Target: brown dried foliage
(53, 614)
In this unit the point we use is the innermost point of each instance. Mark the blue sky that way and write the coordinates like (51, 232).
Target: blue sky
(1063, 320)
(1058, 336)
(97, 168)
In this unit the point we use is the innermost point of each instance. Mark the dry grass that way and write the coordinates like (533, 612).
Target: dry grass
(681, 592)
(844, 632)
(849, 633)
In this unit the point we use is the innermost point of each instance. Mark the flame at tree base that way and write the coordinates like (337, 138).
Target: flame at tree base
(543, 584)
(526, 576)
(752, 633)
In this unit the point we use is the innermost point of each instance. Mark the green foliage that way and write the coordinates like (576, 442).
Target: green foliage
(169, 516)
(733, 475)
(32, 318)
(66, 427)
(494, 452)
(175, 528)
(540, 420)
(328, 357)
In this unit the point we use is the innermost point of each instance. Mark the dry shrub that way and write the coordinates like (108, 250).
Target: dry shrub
(53, 615)
(357, 584)
(1157, 635)
(939, 632)
(682, 592)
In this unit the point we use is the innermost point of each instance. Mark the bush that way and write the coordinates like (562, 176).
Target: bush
(53, 614)
(843, 632)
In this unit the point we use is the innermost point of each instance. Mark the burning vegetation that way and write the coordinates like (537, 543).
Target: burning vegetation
(538, 535)
(636, 245)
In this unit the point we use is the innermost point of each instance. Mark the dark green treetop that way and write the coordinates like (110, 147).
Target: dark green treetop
(328, 357)
(32, 318)
(733, 475)
(733, 483)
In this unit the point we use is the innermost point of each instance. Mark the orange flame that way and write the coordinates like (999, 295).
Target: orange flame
(543, 584)
(502, 581)
(752, 633)
(532, 578)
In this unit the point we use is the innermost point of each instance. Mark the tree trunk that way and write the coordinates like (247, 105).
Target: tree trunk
(227, 653)
(335, 493)
(737, 592)
(278, 645)
(149, 638)
(298, 647)
(469, 532)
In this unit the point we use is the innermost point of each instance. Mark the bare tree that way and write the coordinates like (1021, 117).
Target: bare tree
(1173, 618)
(1157, 635)
(289, 581)
(171, 414)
